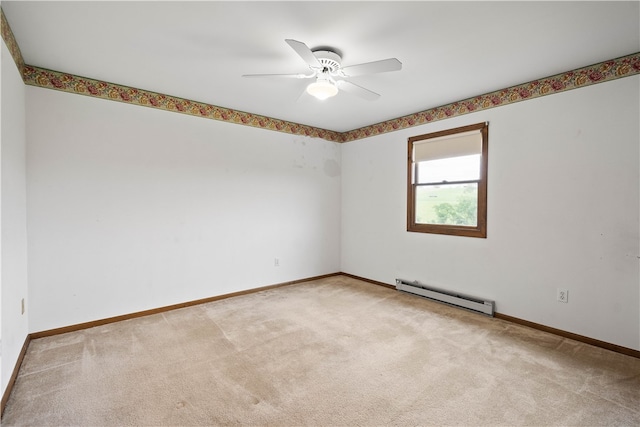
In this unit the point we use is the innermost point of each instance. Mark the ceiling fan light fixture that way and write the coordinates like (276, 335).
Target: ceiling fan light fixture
(322, 89)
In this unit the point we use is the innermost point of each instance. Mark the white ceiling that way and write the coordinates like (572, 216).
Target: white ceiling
(199, 50)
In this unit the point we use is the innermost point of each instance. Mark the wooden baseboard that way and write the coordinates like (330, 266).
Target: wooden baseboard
(364, 279)
(80, 326)
(94, 323)
(87, 325)
(581, 338)
(14, 375)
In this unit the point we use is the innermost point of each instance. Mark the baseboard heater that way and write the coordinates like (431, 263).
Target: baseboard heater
(451, 298)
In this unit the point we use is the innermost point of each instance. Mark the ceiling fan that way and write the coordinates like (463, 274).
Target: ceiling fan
(330, 77)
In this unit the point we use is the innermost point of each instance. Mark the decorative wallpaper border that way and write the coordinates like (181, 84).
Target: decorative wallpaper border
(582, 77)
(41, 77)
(605, 71)
(598, 73)
(10, 41)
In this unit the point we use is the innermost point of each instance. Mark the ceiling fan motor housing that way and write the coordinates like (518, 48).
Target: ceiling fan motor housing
(329, 60)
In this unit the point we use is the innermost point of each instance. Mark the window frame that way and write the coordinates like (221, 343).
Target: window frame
(480, 230)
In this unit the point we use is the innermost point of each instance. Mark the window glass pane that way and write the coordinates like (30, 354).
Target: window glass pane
(454, 204)
(465, 168)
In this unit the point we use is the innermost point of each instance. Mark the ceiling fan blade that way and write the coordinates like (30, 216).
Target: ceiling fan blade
(357, 90)
(305, 53)
(291, 76)
(382, 66)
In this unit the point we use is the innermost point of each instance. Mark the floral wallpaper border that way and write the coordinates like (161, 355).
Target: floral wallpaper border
(605, 71)
(36, 76)
(41, 77)
(602, 72)
(10, 41)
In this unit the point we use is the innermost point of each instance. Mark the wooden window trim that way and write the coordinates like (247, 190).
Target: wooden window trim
(456, 230)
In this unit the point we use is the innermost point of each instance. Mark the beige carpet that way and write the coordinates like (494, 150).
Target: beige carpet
(333, 352)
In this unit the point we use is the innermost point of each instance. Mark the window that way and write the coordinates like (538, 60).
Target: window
(447, 182)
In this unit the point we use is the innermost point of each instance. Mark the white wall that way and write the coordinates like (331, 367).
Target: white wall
(131, 208)
(13, 261)
(563, 211)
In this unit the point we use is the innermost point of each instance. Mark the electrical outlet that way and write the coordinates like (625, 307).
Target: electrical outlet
(276, 262)
(22, 306)
(563, 295)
